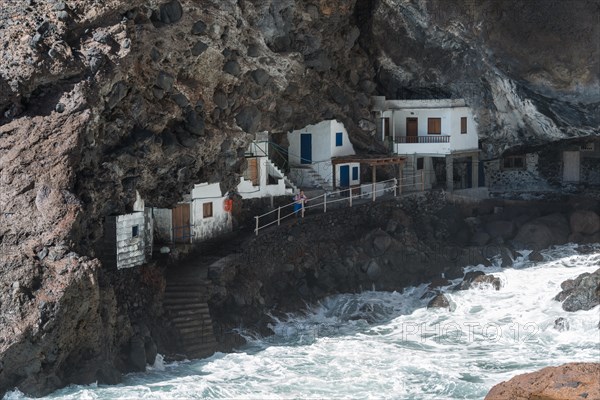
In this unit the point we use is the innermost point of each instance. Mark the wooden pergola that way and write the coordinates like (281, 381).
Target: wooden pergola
(372, 161)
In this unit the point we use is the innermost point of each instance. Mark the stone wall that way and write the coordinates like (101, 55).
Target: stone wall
(528, 179)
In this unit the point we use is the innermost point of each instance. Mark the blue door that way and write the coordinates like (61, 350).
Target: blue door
(305, 148)
(345, 176)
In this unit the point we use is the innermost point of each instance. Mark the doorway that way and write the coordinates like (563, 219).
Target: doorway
(412, 130)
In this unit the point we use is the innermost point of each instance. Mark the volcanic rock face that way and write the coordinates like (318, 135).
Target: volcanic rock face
(100, 99)
(567, 382)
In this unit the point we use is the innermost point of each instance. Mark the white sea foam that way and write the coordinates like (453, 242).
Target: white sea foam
(389, 345)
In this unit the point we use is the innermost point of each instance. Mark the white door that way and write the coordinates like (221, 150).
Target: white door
(570, 166)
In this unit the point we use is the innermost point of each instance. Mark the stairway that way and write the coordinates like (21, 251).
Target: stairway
(186, 305)
(288, 182)
(408, 175)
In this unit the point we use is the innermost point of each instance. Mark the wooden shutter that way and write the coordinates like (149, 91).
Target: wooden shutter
(463, 125)
(434, 126)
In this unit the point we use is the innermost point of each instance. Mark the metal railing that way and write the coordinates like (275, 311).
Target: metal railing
(423, 139)
(339, 197)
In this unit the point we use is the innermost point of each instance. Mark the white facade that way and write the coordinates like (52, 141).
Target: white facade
(261, 168)
(450, 139)
(311, 150)
(208, 216)
(133, 239)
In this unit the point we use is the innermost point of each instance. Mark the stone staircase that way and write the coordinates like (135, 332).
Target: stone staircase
(186, 305)
(288, 182)
(308, 177)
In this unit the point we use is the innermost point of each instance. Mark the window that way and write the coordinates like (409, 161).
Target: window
(434, 126)
(339, 138)
(420, 163)
(514, 162)
(207, 210)
(135, 231)
(354, 173)
(463, 125)
(587, 147)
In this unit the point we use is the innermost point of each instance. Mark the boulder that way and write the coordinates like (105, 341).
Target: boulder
(581, 293)
(170, 12)
(260, 76)
(199, 48)
(487, 280)
(585, 222)
(480, 238)
(232, 67)
(536, 256)
(474, 279)
(566, 382)
(137, 353)
(249, 119)
(500, 229)
(198, 28)
(439, 301)
(543, 232)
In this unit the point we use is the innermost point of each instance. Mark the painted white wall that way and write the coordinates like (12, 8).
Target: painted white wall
(265, 168)
(323, 142)
(323, 149)
(131, 250)
(219, 223)
(449, 110)
(338, 174)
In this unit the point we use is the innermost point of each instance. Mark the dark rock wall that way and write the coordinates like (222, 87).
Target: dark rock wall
(100, 99)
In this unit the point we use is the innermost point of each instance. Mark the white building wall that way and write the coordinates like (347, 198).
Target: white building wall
(323, 149)
(208, 227)
(338, 174)
(450, 112)
(346, 149)
(247, 190)
(130, 249)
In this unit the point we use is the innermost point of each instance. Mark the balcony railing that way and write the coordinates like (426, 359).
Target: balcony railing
(423, 139)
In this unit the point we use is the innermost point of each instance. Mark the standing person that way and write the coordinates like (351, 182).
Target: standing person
(299, 200)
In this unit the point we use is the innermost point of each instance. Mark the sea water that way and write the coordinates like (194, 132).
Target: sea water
(389, 345)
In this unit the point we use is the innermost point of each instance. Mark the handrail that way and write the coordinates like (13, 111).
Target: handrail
(434, 138)
(395, 187)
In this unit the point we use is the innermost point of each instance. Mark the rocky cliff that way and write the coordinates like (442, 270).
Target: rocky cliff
(100, 99)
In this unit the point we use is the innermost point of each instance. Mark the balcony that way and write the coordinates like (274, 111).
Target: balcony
(423, 139)
(426, 144)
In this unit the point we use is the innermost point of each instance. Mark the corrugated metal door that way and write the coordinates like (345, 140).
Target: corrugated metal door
(181, 223)
(570, 166)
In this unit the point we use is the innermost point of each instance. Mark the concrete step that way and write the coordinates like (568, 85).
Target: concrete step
(186, 306)
(194, 331)
(202, 315)
(201, 351)
(189, 313)
(198, 323)
(168, 300)
(186, 295)
(201, 341)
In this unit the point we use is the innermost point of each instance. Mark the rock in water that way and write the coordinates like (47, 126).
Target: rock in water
(567, 382)
(439, 301)
(581, 293)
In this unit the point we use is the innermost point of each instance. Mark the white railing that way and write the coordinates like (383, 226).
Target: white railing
(348, 196)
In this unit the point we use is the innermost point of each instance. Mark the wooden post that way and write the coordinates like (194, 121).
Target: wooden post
(279, 215)
(423, 180)
(256, 229)
(373, 177)
(325, 202)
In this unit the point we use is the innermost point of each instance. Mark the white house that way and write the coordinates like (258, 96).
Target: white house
(127, 240)
(311, 150)
(262, 178)
(202, 216)
(426, 129)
